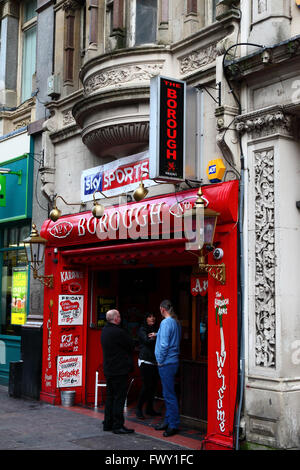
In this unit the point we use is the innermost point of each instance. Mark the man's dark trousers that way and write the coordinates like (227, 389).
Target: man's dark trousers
(116, 390)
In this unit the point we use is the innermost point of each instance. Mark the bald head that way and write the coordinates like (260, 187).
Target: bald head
(113, 316)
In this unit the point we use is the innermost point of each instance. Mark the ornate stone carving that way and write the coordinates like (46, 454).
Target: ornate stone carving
(263, 124)
(197, 59)
(120, 75)
(68, 118)
(23, 123)
(264, 259)
(110, 137)
(261, 6)
(71, 5)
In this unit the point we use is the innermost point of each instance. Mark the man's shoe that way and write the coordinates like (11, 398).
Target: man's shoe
(123, 430)
(161, 427)
(170, 432)
(107, 428)
(127, 430)
(139, 414)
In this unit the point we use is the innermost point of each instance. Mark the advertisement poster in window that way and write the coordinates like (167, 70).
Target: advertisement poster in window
(69, 371)
(19, 295)
(103, 305)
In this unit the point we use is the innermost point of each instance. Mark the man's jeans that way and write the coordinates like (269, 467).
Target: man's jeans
(167, 374)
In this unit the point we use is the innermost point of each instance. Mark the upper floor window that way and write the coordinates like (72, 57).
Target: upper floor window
(29, 10)
(28, 28)
(214, 4)
(145, 21)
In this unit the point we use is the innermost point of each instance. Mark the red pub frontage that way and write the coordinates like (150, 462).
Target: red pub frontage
(131, 259)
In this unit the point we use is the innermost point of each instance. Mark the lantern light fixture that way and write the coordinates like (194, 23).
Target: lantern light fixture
(55, 213)
(98, 208)
(35, 251)
(141, 192)
(217, 271)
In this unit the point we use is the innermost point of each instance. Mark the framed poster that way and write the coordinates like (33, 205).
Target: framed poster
(19, 295)
(70, 310)
(103, 304)
(69, 371)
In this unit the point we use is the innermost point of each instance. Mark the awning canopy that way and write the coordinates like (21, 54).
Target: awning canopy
(153, 216)
(141, 253)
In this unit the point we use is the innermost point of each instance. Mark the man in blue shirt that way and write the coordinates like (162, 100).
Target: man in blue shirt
(167, 357)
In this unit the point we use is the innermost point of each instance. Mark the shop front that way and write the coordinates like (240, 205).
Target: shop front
(131, 259)
(15, 216)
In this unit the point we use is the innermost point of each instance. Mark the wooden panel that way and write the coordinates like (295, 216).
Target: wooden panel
(193, 400)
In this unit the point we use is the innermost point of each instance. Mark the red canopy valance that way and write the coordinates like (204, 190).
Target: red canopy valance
(133, 254)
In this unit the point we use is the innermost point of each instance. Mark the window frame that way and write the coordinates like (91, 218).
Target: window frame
(11, 248)
(24, 27)
(156, 29)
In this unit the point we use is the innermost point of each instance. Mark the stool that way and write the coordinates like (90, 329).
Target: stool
(98, 383)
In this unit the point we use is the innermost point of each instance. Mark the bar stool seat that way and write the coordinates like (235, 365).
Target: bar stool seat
(99, 382)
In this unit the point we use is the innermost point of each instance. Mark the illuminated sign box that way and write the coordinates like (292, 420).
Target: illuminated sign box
(167, 129)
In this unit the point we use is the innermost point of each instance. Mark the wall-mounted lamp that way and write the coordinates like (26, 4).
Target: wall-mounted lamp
(55, 213)
(8, 171)
(141, 192)
(98, 208)
(35, 252)
(217, 271)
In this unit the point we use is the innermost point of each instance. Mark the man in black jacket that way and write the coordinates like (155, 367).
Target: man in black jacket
(117, 363)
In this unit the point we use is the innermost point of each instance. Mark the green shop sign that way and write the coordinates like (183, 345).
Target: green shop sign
(2, 190)
(16, 189)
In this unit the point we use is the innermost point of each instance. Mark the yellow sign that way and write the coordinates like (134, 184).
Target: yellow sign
(215, 170)
(19, 296)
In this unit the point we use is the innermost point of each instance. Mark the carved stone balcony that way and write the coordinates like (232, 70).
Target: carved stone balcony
(114, 112)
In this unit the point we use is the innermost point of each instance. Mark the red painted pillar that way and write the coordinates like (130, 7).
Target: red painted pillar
(223, 346)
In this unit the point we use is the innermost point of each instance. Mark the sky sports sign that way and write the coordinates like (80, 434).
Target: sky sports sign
(115, 178)
(167, 129)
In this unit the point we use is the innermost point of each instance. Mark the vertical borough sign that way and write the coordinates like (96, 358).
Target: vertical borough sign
(167, 129)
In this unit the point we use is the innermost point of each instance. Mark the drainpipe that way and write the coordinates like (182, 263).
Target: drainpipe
(241, 331)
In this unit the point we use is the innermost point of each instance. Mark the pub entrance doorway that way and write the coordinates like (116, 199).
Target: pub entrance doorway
(137, 291)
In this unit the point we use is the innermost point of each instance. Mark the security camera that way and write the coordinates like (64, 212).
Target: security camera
(209, 248)
(266, 57)
(218, 253)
